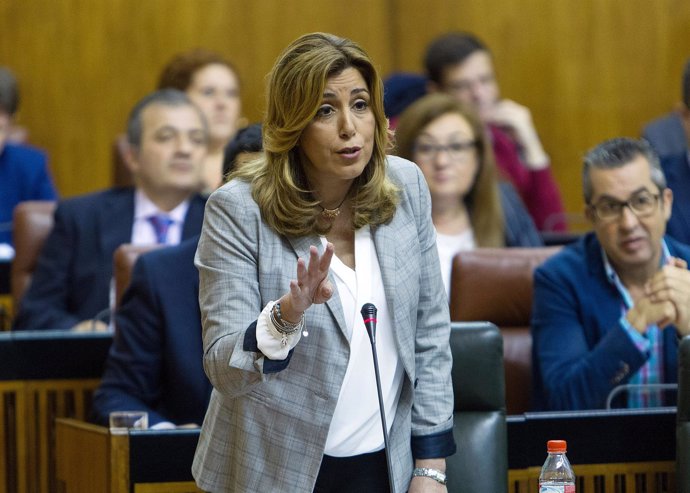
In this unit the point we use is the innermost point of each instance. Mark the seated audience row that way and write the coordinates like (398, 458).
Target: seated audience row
(168, 139)
(607, 310)
(24, 171)
(171, 156)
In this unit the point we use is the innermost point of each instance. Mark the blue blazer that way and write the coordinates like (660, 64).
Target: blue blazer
(677, 171)
(71, 282)
(155, 362)
(23, 176)
(580, 351)
(666, 134)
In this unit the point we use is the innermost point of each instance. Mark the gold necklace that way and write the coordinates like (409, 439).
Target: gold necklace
(331, 214)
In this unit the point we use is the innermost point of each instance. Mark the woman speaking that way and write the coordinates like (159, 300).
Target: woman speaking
(292, 246)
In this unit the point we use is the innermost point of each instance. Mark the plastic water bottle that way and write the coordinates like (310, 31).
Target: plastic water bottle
(556, 474)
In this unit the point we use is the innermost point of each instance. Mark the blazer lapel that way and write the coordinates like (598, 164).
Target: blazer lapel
(117, 219)
(384, 242)
(194, 217)
(681, 201)
(301, 247)
(388, 254)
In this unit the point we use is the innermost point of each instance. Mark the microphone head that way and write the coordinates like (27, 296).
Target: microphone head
(369, 316)
(368, 311)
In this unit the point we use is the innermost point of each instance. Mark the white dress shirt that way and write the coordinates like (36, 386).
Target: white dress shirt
(143, 232)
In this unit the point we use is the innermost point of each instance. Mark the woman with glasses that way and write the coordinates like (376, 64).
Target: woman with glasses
(470, 207)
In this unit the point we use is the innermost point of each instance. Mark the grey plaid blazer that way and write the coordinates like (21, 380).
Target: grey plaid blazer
(267, 432)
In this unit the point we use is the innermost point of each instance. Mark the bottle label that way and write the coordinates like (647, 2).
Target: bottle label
(556, 488)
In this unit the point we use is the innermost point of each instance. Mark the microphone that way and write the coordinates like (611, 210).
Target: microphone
(369, 316)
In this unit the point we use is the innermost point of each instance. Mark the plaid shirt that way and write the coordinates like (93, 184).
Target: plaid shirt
(648, 344)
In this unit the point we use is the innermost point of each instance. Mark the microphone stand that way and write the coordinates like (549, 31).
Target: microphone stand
(369, 316)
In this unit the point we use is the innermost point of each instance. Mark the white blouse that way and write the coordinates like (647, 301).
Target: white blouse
(448, 246)
(356, 424)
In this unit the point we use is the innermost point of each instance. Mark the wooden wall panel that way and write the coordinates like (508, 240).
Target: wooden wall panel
(588, 69)
(83, 64)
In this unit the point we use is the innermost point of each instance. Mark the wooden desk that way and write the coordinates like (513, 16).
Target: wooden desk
(611, 451)
(90, 459)
(43, 375)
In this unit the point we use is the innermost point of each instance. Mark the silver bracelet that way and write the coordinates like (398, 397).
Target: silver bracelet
(427, 472)
(282, 327)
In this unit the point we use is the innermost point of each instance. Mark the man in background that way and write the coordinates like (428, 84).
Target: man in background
(610, 309)
(461, 65)
(668, 134)
(677, 170)
(155, 362)
(23, 169)
(71, 285)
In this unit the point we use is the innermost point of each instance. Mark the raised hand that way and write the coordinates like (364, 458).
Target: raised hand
(517, 120)
(311, 286)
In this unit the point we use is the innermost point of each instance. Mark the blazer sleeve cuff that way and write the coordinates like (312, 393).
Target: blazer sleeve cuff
(441, 444)
(270, 365)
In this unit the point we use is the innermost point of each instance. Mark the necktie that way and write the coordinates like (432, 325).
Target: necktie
(161, 224)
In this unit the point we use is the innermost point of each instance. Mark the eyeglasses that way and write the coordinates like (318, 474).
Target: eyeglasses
(457, 151)
(643, 204)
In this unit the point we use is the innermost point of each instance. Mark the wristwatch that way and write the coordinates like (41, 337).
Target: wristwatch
(427, 472)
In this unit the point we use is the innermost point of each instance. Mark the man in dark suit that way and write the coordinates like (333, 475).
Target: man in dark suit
(155, 362)
(677, 170)
(71, 285)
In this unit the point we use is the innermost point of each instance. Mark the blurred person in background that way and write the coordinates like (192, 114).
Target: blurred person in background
(677, 170)
(213, 84)
(24, 171)
(71, 287)
(155, 361)
(461, 65)
(470, 207)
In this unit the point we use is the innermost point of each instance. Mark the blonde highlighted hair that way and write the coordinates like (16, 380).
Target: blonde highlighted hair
(483, 200)
(295, 90)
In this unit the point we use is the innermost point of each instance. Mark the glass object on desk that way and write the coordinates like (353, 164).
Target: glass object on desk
(123, 421)
(6, 252)
(557, 475)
